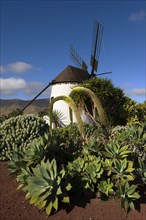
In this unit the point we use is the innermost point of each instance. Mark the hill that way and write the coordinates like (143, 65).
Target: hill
(9, 105)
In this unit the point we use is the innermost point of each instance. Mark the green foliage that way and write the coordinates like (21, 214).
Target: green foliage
(127, 194)
(47, 186)
(36, 152)
(17, 132)
(43, 148)
(97, 106)
(112, 99)
(136, 113)
(68, 139)
(115, 151)
(105, 163)
(106, 187)
(17, 167)
(123, 171)
(134, 137)
(141, 170)
(88, 168)
(16, 163)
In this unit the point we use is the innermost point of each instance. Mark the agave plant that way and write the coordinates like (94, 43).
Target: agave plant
(88, 168)
(135, 138)
(92, 171)
(106, 187)
(122, 171)
(127, 194)
(47, 186)
(16, 163)
(115, 151)
(22, 177)
(35, 152)
(141, 170)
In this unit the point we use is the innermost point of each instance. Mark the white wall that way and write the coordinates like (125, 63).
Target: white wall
(64, 89)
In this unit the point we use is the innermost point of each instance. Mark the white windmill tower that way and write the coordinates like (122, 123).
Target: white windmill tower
(62, 85)
(72, 76)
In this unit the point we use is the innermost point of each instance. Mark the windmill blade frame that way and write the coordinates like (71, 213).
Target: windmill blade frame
(78, 61)
(96, 44)
(35, 97)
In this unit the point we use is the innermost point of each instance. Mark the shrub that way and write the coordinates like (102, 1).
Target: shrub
(17, 132)
(47, 186)
(106, 165)
(134, 137)
(69, 140)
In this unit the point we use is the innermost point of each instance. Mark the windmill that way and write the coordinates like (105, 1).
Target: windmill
(72, 75)
(95, 51)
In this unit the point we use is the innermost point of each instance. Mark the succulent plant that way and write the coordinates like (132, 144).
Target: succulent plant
(123, 171)
(141, 170)
(115, 150)
(128, 195)
(17, 132)
(106, 187)
(47, 186)
(88, 168)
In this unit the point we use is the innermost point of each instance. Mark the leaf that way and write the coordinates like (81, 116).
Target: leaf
(33, 200)
(27, 195)
(66, 199)
(42, 204)
(107, 154)
(68, 187)
(20, 186)
(130, 177)
(131, 204)
(49, 208)
(39, 182)
(124, 164)
(131, 190)
(55, 204)
(134, 195)
(123, 149)
(58, 191)
(54, 168)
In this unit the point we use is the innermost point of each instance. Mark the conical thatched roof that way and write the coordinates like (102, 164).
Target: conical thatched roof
(71, 75)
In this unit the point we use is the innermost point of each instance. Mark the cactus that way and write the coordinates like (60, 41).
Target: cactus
(17, 132)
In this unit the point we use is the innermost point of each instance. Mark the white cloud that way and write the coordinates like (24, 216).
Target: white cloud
(17, 67)
(10, 85)
(137, 92)
(15, 86)
(140, 92)
(33, 88)
(137, 16)
(3, 69)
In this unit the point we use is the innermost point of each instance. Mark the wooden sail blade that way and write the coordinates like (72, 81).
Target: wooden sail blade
(77, 59)
(35, 98)
(96, 44)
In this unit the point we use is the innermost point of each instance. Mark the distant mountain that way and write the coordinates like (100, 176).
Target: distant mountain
(9, 105)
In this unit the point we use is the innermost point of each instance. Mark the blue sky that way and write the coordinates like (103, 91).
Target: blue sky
(36, 35)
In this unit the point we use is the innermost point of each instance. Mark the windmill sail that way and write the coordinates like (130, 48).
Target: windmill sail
(96, 44)
(35, 97)
(77, 59)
